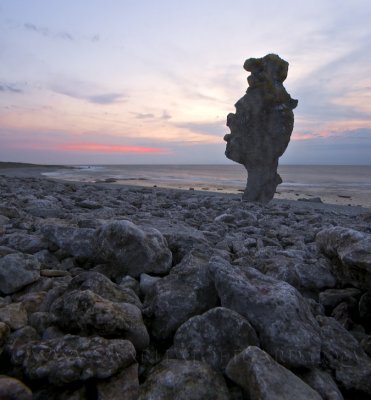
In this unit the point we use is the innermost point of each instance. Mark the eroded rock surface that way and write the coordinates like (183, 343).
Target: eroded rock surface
(262, 126)
(90, 314)
(73, 358)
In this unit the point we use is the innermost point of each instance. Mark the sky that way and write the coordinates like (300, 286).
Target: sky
(152, 81)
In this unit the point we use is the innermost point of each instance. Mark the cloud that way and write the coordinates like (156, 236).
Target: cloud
(349, 147)
(144, 115)
(165, 115)
(10, 88)
(209, 128)
(106, 98)
(37, 29)
(110, 148)
(95, 38)
(46, 32)
(100, 98)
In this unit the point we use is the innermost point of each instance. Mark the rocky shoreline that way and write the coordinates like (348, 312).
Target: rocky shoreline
(111, 292)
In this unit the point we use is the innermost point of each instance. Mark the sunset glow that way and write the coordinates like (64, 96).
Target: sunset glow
(104, 148)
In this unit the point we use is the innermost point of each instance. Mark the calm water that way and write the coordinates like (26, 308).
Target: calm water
(357, 177)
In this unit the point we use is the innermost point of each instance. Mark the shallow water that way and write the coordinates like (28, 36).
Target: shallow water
(357, 177)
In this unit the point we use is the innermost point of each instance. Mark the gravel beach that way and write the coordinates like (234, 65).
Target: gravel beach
(179, 294)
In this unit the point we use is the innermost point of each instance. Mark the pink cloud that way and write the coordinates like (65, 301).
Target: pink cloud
(110, 148)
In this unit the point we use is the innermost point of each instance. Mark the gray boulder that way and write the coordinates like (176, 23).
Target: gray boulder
(297, 269)
(213, 337)
(74, 358)
(131, 250)
(352, 248)
(184, 380)
(263, 378)
(323, 383)
(17, 271)
(345, 356)
(187, 291)
(104, 287)
(77, 242)
(44, 208)
(25, 243)
(281, 317)
(90, 314)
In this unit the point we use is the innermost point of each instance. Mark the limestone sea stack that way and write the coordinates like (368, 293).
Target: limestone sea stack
(262, 126)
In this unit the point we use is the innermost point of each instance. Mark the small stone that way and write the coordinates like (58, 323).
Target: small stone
(53, 273)
(14, 315)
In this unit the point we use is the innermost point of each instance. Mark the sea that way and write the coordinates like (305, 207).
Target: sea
(218, 176)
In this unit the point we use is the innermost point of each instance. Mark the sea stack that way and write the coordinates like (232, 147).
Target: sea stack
(262, 126)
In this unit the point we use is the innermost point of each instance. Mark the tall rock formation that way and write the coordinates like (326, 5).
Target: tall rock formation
(262, 126)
